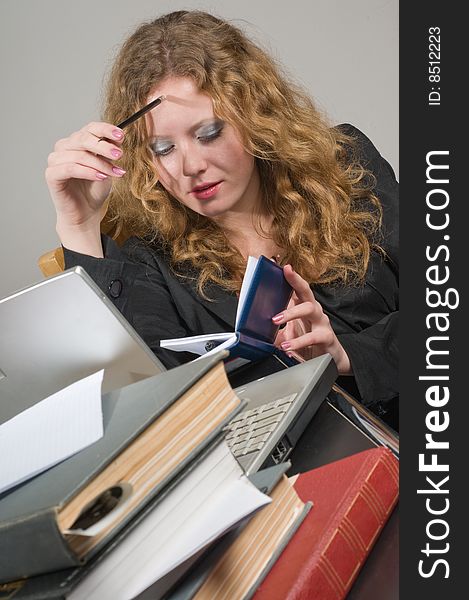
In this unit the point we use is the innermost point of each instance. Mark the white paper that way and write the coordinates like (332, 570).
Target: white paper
(197, 343)
(206, 503)
(226, 345)
(51, 431)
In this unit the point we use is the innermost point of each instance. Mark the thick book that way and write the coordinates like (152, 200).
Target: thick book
(353, 498)
(132, 560)
(264, 293)
(237, 564)
(209, 500)
(152, 430)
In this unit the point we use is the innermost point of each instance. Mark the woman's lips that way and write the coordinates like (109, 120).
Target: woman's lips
(206, 191)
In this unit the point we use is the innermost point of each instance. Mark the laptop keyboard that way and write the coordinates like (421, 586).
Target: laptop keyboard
(251, 429)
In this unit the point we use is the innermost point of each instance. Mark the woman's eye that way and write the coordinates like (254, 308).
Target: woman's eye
(209, 136)
(161, 150)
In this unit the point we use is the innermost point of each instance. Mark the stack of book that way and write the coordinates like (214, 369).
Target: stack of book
(317, 558)
(162, 458)
(159, 508)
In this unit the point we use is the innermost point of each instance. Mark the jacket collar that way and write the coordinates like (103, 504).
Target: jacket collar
(221, 303)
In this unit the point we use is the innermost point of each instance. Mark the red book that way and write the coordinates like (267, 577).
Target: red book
(352, 500)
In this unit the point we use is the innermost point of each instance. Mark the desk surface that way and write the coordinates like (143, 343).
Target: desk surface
(331, 436)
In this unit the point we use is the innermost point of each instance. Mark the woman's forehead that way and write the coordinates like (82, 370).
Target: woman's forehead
(184, 106)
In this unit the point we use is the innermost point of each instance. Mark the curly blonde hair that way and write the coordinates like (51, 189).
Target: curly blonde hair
(326, 217)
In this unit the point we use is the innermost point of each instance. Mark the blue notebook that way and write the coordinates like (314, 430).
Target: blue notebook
(264, 293)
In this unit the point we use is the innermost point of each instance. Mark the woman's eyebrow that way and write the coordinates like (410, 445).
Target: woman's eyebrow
(207, 123)
(178, 100)
(193, 129)
(160, 138)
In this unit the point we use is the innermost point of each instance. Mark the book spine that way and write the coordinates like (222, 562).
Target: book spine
(349, 540)
(257, 349)
(324, 558)
(35, 545)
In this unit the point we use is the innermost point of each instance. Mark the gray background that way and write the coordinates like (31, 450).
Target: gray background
(54, 54)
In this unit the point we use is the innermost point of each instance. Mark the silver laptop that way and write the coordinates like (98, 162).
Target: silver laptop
(279, 408)
(59, 331)
(65, 328)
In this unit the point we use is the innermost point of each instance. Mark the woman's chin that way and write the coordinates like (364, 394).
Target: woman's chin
(211, 210)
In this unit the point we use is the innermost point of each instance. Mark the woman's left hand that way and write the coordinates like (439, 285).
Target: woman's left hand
(308, 331)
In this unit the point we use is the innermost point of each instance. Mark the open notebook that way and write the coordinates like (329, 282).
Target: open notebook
(264, 293)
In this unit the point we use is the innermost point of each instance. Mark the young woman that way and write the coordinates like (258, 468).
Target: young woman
(236, 161)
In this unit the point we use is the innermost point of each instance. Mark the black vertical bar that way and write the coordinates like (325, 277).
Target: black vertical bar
(434, 250)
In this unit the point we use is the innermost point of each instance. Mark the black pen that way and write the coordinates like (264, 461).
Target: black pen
(141, 112)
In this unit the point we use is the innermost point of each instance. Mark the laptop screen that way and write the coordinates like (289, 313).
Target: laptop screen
(61, 330)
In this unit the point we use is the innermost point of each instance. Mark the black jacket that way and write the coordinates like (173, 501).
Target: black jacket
(160, 305)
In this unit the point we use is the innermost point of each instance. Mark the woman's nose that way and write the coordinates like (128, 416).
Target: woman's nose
(194, 162)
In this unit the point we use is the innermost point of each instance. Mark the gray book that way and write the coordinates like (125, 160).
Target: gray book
(32, 523)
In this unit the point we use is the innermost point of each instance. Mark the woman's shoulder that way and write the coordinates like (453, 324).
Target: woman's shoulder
(141, 246)
(366, 152)
(385, 187)
(136, 250)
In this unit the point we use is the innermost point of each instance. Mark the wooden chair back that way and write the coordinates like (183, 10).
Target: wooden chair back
(52, 262)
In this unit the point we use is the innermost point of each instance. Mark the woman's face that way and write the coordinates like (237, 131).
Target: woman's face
(200, 159)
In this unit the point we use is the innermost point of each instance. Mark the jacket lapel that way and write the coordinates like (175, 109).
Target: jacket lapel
(222, 303)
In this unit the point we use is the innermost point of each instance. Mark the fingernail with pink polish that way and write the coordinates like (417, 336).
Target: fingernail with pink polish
(285, 345)
(101, 176)
(277, 318)
(118, 134)
(118, 171)
(116, 152)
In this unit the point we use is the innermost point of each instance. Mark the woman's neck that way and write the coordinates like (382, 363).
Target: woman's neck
(252, 235)
(248, 227)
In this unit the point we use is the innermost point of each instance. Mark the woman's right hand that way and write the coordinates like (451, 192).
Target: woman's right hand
(78, 176)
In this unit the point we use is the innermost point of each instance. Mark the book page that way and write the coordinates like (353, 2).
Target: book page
(199, 344)
(51, 430)
(246, 284)
(226, 345)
